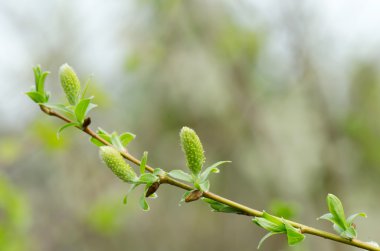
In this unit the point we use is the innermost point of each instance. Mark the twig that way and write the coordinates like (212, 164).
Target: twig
(244, 209)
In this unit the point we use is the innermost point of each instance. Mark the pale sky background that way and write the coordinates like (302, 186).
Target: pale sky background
(28, 27)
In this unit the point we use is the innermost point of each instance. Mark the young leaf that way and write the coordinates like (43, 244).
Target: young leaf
(147, 178)
(66, 126)
(219, 207)
(293, 234)
(265, 237)
(204, 186)
(212, 169)
(143, 162)
(351, 218)
(36, 97)
(269, 225)
(96, 142)
(60, 107)
(336, 209)
(116, 142)
(181, 175)
(143, 204)
(81, 108)
(126, 138)
(129, 191)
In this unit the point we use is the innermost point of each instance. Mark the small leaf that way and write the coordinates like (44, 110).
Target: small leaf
(272, 218)
(181, 175)
(293, 234)
(328, 217)
(143, 204)
(219, 207)
(81, 108)
(147, 178)
(116, 142)
(265, 237)
(129, 191)
(66, 126)
(212, 169)
(86, 87)
(96, 142)
(269, 225)
(36, 97)
(126, 138)
(89, 108)
(204, 186)
(143, 162)
(351, 218)
(60, 107)
(336, 209)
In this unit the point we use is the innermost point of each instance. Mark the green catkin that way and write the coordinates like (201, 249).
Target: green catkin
(113, 159)
(70, 83)
(193, 149)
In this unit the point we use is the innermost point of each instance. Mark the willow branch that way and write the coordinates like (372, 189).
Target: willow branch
(244, 209)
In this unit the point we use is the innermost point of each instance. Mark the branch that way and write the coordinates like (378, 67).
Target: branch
(244, 209)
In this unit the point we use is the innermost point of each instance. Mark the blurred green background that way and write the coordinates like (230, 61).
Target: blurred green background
(287, 90)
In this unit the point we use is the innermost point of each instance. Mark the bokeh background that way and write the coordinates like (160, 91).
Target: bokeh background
(287, 90)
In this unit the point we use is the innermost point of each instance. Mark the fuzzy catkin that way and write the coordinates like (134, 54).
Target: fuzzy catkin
(70, 83)
(193, 149)
(113, 159)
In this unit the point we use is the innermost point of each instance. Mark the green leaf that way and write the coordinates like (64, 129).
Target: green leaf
(336, 209)
(143, 162)
(269, 225)
(220, 207)
(60, 107)
(36, 97)
(351, 218)
(147, 178)
(272, 218)
(66, 126)
(96, 142)
(265, 237)
(125, 201)
(204, 186)
(143, 204)
(212, 169)
(86, 87)
(181, 175)
(126, 138)
(293, 234)
(41, 82)
(81, 108)
(328, 217)
(116, 142)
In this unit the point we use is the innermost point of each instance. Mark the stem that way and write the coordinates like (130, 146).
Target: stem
(246, 210)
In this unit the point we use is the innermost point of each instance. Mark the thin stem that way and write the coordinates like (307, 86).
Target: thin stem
(244, 209)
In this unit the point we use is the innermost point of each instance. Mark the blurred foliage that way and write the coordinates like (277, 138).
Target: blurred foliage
(14, 218)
